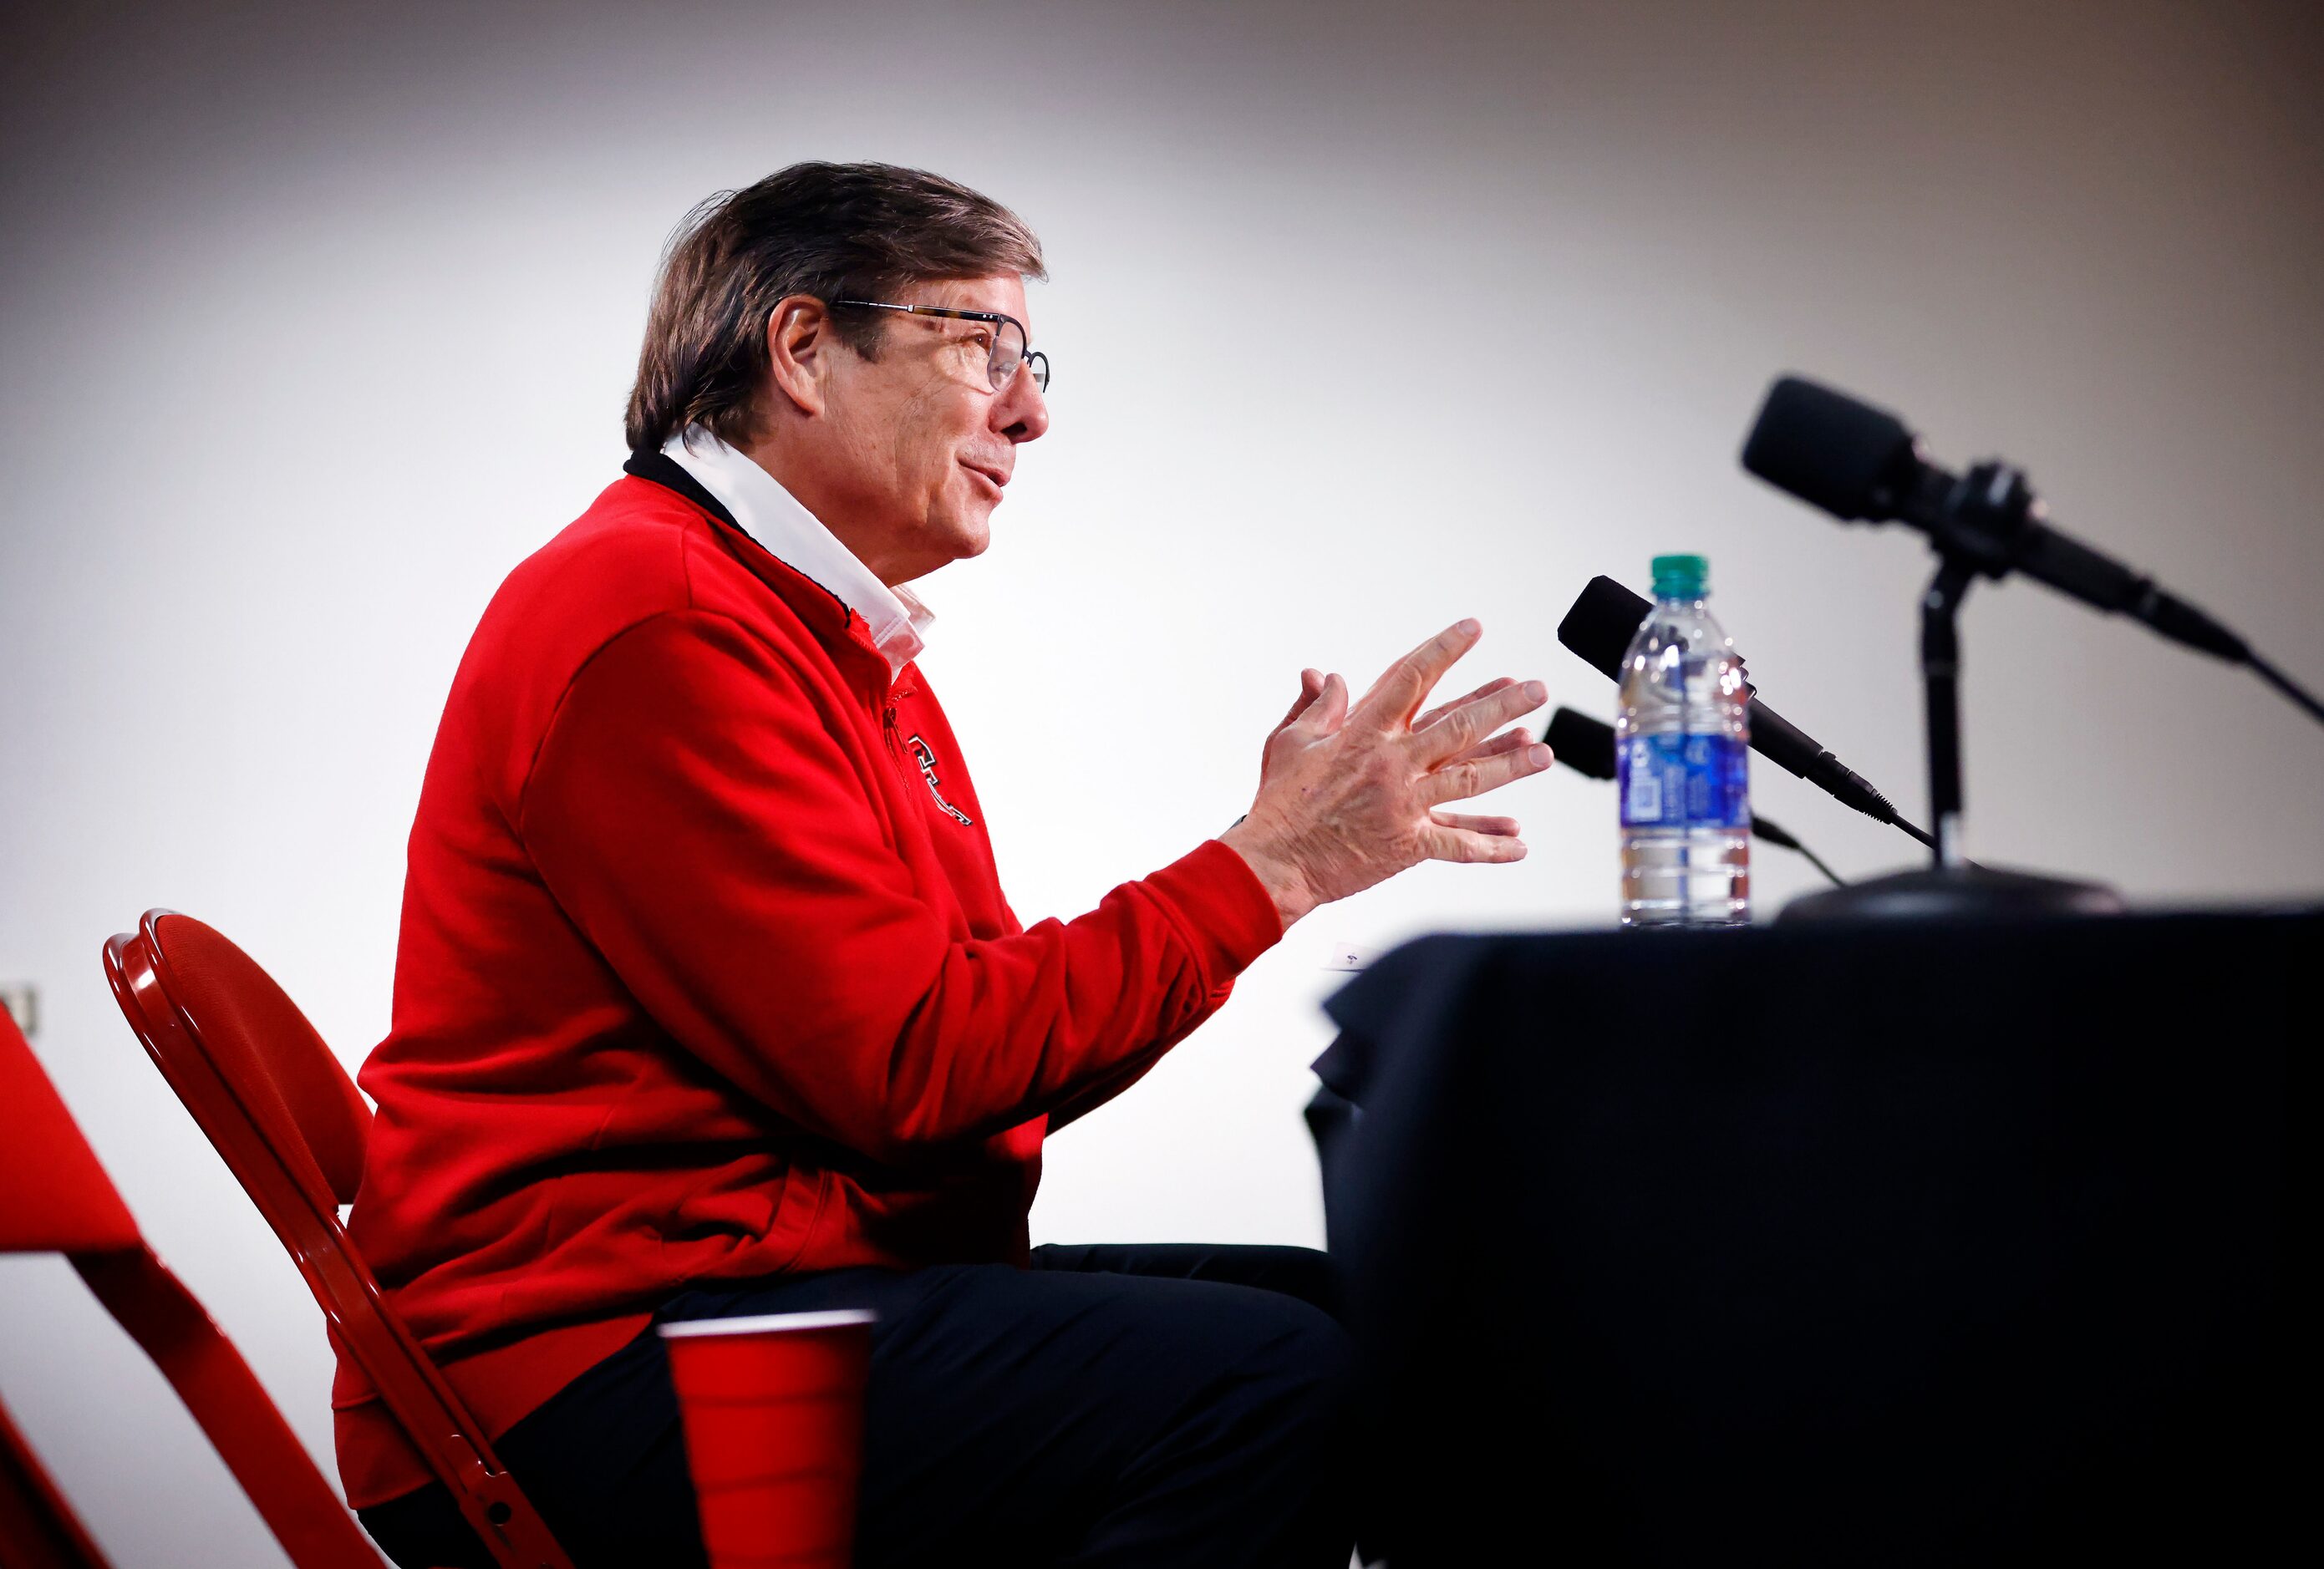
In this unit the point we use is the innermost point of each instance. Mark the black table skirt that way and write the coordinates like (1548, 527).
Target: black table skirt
(1870, 1246)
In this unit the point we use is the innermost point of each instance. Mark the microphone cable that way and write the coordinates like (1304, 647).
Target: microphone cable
(2285, 684)
(1766, 828)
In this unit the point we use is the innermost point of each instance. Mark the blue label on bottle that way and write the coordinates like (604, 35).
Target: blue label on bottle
(1684, 782)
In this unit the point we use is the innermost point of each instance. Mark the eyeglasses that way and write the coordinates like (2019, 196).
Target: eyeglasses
(1010, 341)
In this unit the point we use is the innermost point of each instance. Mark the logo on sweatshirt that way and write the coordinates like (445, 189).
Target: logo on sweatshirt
(928, 772)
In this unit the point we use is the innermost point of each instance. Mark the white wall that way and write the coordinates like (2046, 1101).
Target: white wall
(1363, 320)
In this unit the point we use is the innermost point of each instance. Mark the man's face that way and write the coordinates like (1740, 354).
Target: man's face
(920, 444)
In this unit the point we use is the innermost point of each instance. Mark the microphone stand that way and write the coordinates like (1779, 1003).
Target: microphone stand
(1941, 698)
(1974, 537)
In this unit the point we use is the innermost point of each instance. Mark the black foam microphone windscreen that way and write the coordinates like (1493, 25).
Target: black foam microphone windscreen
(1829, 450)
(1605, 616)
(1583, 744)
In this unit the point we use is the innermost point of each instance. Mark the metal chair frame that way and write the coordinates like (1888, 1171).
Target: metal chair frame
(73, 1208)
(410, 1384)
(38, 1529)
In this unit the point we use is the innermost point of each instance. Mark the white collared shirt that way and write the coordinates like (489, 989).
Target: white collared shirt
(795, 536)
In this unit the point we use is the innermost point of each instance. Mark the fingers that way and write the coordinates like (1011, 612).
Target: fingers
(1461, 844)
(1460, 780)
(1507, 741)
(1311, 683)
(1329, 709)
(1497, 684)
(1495, 827)
(1471, 722)
(1401, 687)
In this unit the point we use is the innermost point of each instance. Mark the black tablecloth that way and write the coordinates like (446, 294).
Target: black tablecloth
(1870, 1245)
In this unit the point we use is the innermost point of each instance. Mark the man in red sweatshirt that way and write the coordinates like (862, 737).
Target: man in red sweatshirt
(707, 1000)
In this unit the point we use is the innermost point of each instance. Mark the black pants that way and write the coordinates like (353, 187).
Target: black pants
(1110, 1405)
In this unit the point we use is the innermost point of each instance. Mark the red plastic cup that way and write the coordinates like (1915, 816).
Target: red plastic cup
(773, 1411)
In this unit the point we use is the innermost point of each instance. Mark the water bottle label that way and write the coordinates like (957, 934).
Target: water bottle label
(1684, 782)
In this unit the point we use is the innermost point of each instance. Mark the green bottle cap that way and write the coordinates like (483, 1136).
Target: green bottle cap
(1682, 577)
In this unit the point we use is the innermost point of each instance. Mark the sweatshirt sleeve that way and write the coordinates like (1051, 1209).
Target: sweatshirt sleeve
(695, 814)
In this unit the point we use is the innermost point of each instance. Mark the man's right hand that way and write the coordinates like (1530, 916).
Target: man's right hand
(1349, 795)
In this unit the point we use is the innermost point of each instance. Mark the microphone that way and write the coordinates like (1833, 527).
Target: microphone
(1861, 464)
(1583, 744)
(1600, 626)
(1586, 746)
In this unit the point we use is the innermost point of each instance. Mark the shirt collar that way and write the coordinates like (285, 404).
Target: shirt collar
(792, 535)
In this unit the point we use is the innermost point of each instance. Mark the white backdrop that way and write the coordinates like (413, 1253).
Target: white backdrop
(1362, 319)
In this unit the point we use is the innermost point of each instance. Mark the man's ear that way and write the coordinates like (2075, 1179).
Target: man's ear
(799, 348)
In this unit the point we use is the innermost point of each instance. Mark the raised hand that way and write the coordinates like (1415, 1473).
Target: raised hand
(1351, 794)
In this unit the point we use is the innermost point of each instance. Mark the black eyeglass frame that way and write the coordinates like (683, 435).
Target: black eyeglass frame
(1040, 373)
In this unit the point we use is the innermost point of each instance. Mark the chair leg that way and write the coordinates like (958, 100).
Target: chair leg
(38, 1529)
(232, 1408)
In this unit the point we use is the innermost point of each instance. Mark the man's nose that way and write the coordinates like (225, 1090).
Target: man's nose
(1020, 411)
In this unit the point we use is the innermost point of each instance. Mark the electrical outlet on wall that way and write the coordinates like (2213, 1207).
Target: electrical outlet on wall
(23, 1001)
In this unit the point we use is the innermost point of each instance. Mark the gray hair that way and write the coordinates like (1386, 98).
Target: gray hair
(834, 231)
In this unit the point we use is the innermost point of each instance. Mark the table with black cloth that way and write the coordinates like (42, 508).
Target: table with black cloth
(1875, 1245)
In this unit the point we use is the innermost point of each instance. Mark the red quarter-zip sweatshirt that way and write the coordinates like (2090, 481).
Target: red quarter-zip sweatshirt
(705, 972)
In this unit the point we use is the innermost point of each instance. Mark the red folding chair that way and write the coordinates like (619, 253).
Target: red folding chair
(38, 1529)
(54, 1198)
(291, 1127)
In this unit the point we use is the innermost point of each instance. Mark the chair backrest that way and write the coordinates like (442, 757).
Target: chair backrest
(54, 1198)
(312, 1118)
(290, 1125)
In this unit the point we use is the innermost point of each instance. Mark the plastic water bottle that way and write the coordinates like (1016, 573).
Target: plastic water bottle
(1681, 749)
